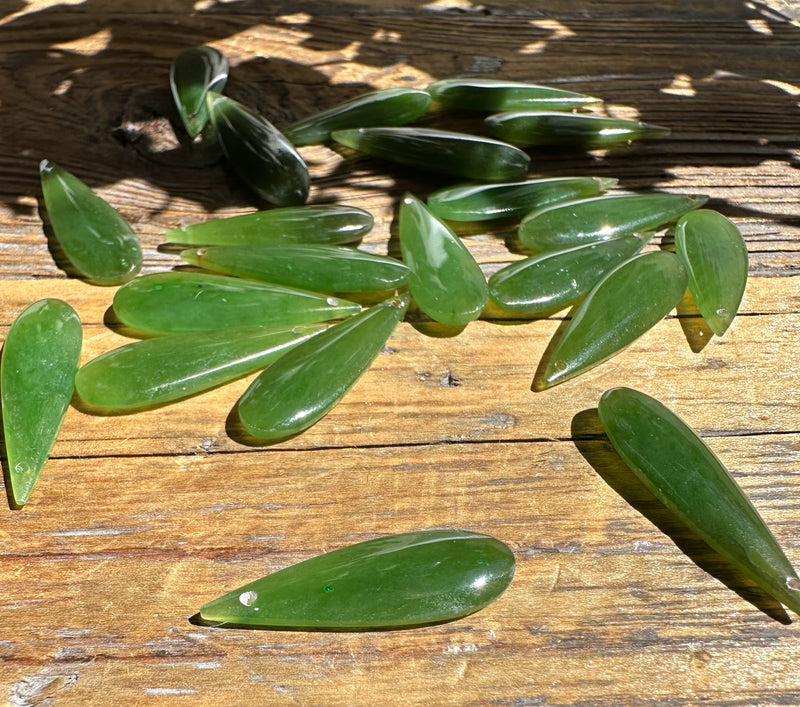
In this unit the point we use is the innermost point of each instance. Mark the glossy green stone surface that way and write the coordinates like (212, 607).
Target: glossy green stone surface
(459, 154)
(631, 299)
(300, 388)
(326, 223)
(96, 240)
(603, 217)
(551, 281)
(391, 106)
(324, 268)
(395, 581)
(715, 256)
(445, 281)
(193, 74)
(568, 130)
(175, 366)
(497, 95)
(37, 377)
(175, 302)
(481, 202)
(686, 476)
(259, 153)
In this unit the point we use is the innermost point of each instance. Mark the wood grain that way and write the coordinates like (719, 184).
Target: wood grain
(140, 519)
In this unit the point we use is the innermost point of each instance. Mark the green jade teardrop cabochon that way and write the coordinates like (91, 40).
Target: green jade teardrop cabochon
(259, 153)
(444, 280)
(37, 377)
(684, 474)
(174, 302)
(96, 240)
(392, 582)
(303, 386)
(715, 256)
(192, 75)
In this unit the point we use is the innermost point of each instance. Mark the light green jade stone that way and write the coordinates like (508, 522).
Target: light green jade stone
(303, 386)
(96, 240)
(193, 74)
(172, 367)
(37, 377)
(175, 302)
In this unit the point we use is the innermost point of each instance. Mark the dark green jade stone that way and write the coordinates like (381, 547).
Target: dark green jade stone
(498, 95)
(715, 256)
(193, 74)
(96, 240)
(626, 303)
(324, 223)
(324, 268)
(175, 366)
(444, 279)
(580, 131)
(676, 465)
(482, 202)
(303, 386)
(259, 153)
(175, 302)
(37, 378)
(391, 106)
(459, 154)
(602, 217)
(391, 582)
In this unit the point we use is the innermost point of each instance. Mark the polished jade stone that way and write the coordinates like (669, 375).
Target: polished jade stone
(326, 223)
(193, 74)
(175, 302)
(172, 367)
(302, 387)
(324, 268)
(685, 475)
(259, 153)
(601, 217)
(481, 202)
(37, 378)
(568, 130)
(715, 256)
(554, 280)
(391, 106)
(497, 95)
(395, 581)
(445, 281)
(626, 303)
(96, 240)
(459, 154)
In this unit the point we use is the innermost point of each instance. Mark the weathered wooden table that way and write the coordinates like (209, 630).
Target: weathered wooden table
(140, 519)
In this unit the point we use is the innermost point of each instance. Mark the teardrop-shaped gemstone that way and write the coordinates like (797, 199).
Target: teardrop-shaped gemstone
(497, 95)
(626, 303)
(481, 202)
(459, 154)
(602, 217)
(686, 476)
(302, 387)
(579, 131)
(324, 223)
(174, 302)
(391, 106)
(551, 281)
(715, 256)
(96, 240)
(37, 378)
(172, 367)
(325, 268)
(395, 581)
(259, 153)
(444, 280)
(193, 74)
